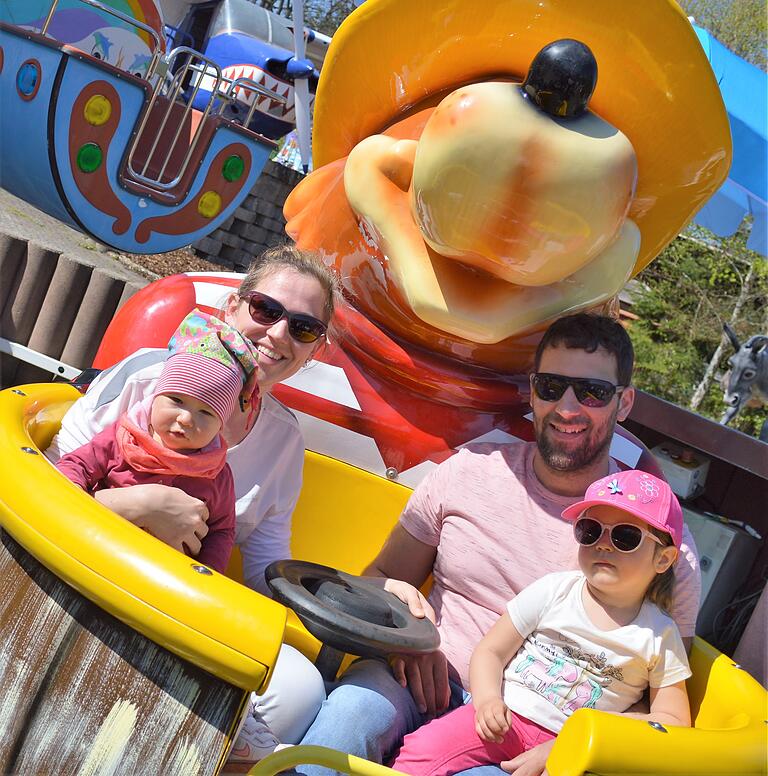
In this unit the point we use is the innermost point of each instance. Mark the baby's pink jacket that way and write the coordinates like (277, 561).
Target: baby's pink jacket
(99, 465)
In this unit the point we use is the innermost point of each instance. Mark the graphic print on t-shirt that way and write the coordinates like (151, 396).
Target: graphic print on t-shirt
(568, 677)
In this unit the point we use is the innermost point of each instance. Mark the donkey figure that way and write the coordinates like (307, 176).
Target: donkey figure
(746, 382)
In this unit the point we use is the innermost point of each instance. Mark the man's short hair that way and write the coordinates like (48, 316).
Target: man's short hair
(587, 332)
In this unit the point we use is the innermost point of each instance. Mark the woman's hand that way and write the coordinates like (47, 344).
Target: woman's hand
(168, 513)
(408, 594)
(530, 763)
(426, 676)
(492, 719)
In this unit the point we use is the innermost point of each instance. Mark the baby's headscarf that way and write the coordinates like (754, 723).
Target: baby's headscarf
(213, 362)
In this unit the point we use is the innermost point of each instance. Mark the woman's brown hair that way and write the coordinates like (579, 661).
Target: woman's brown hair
(290, 257)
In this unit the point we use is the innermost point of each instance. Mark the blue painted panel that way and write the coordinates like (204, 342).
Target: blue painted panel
(24, 165)
(745, 93)
(78, 74)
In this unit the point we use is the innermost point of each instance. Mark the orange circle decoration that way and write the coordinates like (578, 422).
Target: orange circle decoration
(97, 110)
(28, 79)
(209, 204)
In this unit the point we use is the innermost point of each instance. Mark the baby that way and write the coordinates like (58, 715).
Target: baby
(174, 437)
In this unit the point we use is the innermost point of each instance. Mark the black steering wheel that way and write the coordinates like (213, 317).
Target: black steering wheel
(348, 613)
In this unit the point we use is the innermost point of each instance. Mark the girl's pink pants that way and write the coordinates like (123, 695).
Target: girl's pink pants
(449, 744)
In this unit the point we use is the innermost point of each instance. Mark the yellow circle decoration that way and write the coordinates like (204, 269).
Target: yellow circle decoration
(209, 204)
(97, 110)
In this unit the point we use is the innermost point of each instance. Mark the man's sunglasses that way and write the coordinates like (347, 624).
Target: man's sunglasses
(625, 537)
(266, 311)
(589, 392)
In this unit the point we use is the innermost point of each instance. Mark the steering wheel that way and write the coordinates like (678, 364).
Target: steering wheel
(348, 613)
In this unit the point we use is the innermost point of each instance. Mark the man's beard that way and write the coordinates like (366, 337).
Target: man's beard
(596, 440)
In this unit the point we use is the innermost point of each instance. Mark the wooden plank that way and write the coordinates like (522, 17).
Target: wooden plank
(81, 692)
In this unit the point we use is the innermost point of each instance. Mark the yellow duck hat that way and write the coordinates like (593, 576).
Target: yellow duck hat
(654, 84)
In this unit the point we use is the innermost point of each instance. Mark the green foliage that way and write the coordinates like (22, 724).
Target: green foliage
(326, 15)
(738, 24)
(321, 15)
(685, 296)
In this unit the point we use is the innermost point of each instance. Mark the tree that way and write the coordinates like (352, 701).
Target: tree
(699, 282)
(740, 25)
(321, 15)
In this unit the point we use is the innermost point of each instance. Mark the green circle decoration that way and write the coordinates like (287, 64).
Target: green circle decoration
(89, 157)
(233, 168)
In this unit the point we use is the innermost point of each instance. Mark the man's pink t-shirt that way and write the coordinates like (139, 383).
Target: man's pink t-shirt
(496, 530)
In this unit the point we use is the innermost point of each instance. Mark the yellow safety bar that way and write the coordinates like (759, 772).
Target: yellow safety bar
(319, 755)
(206, 618)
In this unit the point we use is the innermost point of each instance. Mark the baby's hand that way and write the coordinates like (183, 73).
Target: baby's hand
(492, 719)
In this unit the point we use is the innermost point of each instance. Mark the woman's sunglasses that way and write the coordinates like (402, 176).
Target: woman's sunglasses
(625, 537)
(266, 311)
(589, 392)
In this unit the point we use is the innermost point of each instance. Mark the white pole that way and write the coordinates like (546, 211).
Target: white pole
(301, 86)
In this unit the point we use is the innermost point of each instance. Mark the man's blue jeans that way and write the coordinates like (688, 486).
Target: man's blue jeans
(367, 713)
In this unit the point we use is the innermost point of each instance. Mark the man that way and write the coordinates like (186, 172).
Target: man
(485, 524)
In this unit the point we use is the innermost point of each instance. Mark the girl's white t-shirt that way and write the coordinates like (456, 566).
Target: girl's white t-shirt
(267, 465)
(567, 663)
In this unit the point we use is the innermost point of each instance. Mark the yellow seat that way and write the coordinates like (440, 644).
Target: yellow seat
(729, 736)
(343, 516)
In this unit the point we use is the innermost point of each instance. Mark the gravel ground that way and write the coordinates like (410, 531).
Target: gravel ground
(155, 265)
(21, 219)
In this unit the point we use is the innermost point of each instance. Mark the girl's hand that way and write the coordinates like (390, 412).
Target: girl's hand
(492, 719)
(408, 594)
(530, 763)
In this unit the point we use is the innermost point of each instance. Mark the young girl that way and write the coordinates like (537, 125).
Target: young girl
(173, 437)
(594, 638)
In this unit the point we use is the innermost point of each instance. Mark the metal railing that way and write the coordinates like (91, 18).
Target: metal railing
(156, 49)
(171, 87)
(187, 72)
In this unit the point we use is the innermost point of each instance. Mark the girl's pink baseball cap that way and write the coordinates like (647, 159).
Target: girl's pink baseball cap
(639, 493)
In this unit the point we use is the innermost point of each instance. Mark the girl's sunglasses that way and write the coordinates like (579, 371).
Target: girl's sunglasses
(590, 393)
(266, 311)
(625, 537)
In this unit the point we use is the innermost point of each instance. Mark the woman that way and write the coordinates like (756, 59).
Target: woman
(284, 306)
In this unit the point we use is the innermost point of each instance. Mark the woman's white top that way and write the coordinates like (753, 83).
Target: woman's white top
(266, 465)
